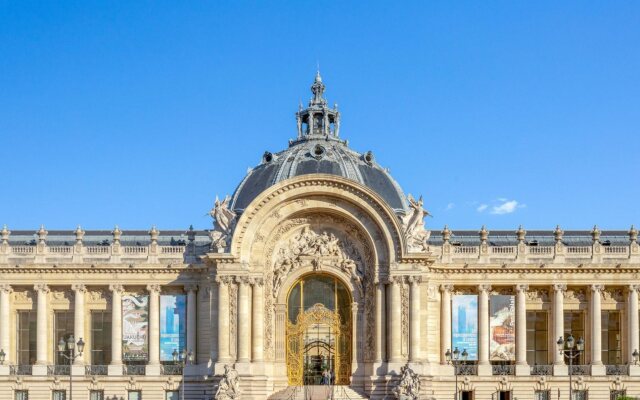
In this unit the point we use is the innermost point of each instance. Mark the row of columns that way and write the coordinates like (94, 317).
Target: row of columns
(521, 322)
(42, 323)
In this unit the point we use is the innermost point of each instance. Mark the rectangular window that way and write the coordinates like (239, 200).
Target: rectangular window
(466, 395)
(611, 341)
(100, 337)
(171, 395)
(616, 394)
(26, 337)
(21, 395)
(62, 329)
(537, 338)
(542, 395)
(96, 395)
(574, 324)
(580, 395)
(134, 395)
(59, 395)
(504, 395)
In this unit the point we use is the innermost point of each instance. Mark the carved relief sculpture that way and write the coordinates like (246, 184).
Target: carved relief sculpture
(229, 386)
(409, 386)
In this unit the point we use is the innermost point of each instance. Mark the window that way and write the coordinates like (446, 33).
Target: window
(466, 395)
(100, 337)
(96, 395)
(63, 329)
(21, 395)
(26, 337)
(134, 395)
(171, 395)
(580, 395)
(542, 395)
(537, 338)
(615, 394)
(611, 347)
(574, 324)
(504, 395)
(59, 395)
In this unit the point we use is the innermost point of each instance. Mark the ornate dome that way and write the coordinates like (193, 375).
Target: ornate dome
(318, 149)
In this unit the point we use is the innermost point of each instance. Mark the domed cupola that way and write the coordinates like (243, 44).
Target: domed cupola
(318, 149)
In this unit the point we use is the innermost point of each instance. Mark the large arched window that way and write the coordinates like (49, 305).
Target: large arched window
(319, 289)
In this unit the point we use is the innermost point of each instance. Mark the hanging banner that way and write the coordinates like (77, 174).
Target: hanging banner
(135, 327)
(173, 325)
(464, 321)
(502, 322)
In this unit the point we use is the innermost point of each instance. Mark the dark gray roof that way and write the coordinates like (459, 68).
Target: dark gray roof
(323, 156)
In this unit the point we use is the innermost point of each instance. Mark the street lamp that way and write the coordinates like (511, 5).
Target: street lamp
(71, 348)
(635, 355)
(3, 355)
(570, 349)
(454, 359)
(185, 359)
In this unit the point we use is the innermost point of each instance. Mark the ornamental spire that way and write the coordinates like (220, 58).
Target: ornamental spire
(318, 121)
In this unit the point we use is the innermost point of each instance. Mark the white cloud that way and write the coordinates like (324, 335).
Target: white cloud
(507, 207)
(482, 207)
(450, 206)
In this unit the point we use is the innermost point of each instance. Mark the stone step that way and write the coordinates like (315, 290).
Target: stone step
(317, 392)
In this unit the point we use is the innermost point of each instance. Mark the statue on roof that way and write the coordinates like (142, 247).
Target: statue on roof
(224, 222)
(413, 228)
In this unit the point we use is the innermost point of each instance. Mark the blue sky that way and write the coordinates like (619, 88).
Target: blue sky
(499, 113)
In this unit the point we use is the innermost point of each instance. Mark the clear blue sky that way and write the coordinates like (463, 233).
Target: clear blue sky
(499, 113)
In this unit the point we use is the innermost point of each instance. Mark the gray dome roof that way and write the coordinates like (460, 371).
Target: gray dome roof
(323, 156)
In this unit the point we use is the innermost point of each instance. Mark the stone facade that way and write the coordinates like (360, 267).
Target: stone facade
(336, 222)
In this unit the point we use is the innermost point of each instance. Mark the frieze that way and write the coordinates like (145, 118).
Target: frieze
(575, 295)
(613, 295)
(538, 295)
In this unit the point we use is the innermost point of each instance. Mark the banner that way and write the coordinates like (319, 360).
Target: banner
(135, 327)
(464, 321)
(502, 317)
(173, 325)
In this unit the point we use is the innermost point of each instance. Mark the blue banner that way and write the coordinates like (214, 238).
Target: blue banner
(173, 325)
(464, 321)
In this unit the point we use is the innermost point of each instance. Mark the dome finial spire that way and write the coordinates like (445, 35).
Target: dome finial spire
(318, 91)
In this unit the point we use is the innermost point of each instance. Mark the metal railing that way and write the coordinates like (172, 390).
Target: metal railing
(466, 370)
(503, 369)
(21, 369)
(171, 369)
(541, 370)
(96, 369)
(58, 370)
(134, 369)
(579, 369)
(617, 370)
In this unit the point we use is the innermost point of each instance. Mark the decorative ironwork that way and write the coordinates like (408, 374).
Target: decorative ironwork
(503, 369)
(617, 369)
(466, 369)
(58, 370)
(171, 369)
(579, 369)
(134, 369)
(318, 314)
(21, 369)
(96, 370)
(541, 370)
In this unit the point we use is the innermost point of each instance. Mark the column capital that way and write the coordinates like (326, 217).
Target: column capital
(5, 288)
(224, 280)
(414, 279)
(447, 287)
(484, 287)
(79, 287)
(257, 281)
(153, 288)
(560, 287)
(597, 287)
(244, 280)
(522, 287)
(191, 287)
(41, 288)
(396, 280)
(634, 287)
(116, 288)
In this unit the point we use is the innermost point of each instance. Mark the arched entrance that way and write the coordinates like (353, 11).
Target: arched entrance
(318, 331)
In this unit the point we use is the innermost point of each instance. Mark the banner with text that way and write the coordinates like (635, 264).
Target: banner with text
(502, 322)
(135, 327)
(464, 321)
(173, 325)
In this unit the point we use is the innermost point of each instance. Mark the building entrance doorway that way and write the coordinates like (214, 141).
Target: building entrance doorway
(319, 332)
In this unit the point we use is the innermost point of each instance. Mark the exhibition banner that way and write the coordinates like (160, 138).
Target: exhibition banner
(173, 325)
(135, 327)
(502, 323)
(464, 321)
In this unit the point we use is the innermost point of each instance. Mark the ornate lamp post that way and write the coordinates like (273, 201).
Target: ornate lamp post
(570, 349)
(3, 356)
(70, 347)
(635, 356)
(184, 359)
(454, 359)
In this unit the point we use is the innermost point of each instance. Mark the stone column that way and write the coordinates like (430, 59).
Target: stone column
(521, 330)
(445, 321)
(5, 320)
(192, 326)
(414, 319)
(395, 320)
(633, 328)
(213, 322)
(244, 320)
(559, 367)
(355, 350)
(597, 368)
(224, 354)
(78, 318)
(115, 368)
(153, 366)
(42, 324)
(484, 367)
(379, 311)
(257, 324)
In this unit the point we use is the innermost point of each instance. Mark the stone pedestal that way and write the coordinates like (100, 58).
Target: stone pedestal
(598, 370)
(4, 370)
(634, 370)
(77, 370)
(560, 370)
(523, 370)
(114, 370)
(152, 370)
(485, 370)
(39, 370)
